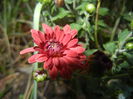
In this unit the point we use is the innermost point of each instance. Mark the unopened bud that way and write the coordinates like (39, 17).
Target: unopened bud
(39, 75)
(59, 3)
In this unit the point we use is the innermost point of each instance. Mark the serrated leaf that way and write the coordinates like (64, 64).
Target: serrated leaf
(62, 13)
(103, 11)
(110, 47)
(123, 35)
(75, 26)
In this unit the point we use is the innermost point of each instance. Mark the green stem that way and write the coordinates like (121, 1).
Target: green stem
(117, 22)
(115, 27)
(36, 19)
(36, 16)
(96, 24)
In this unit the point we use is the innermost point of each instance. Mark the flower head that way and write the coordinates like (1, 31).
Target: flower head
(58, 49)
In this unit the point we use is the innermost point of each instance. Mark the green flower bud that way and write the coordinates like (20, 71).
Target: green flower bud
(90, 8)
(39, 75)
(129, 46)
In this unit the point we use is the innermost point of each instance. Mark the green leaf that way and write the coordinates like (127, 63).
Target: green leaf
(122, 36)
(81, 6)
(90, 51)
(45, 13)
(102, 23)
(124, 65)
(103, 11)
(110, 47)
(62, 13)
(128, 16)
(75, 26)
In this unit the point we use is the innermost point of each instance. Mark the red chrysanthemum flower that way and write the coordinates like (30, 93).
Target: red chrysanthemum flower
(58, 49)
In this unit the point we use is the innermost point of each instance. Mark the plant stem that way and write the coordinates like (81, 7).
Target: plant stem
(96, 24)
(36, 16)
(115, 27)
(36, 19)
(117, 22)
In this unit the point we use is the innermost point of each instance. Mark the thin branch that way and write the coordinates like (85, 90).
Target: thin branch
(117, 22)
(96, 24)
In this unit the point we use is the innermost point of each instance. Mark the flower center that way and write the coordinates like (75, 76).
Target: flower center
(53, 47)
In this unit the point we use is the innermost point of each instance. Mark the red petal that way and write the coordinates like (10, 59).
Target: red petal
(48, 64)
(63, 62)
(66, 28)
(35, 35)
(37, 58)
(37, 43)
(27, 50)
(56, 62)
(61, 36)
(32, 59)
(41, 58)
(71, 53)
(47, 29)
(66, 39)
(57, 32)
(41, 35)
(73, 33)
(53, 72)
(71, 60)
(72, 43)
(78, 49)
(40, 50)
(74, 63)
